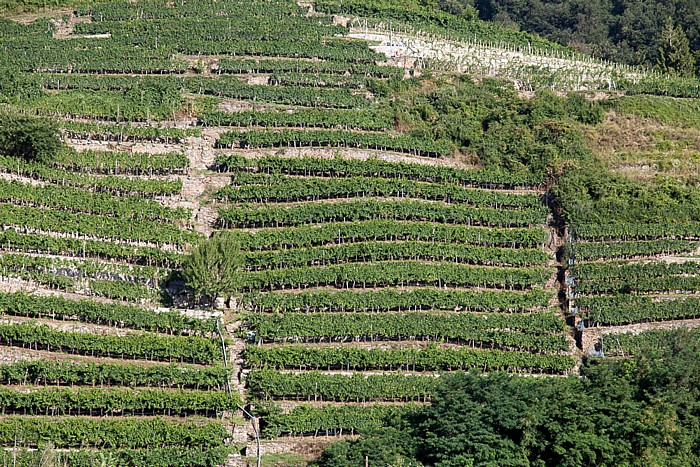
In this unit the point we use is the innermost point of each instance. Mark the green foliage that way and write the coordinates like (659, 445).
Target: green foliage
(333, 138)
(504, 330)
(632, 31)
(16, 6)
(592, 195)
(95, 225)
(126, 132)
(502, 129)
(192, 349)
(115, 162)
(343, 233)
(67, 372)
(593, 278)
(153, 457)
(214, 267)
(364, 252)
(112, 314)
(626, 309)
(331, 419)
(121, 186)
(115, 401)
(423, 299)
(109, 433)
(77, 200)
(358, 210)
(585, 110)
(46, 243)
(355, 388)
(27, 137)
(16, 87)
(383, 446)
(268, 189)
(395, 273)
(345, 168)
(430, 358)
(674, 52)
(621, 412)
(302, 118)
(666, 110)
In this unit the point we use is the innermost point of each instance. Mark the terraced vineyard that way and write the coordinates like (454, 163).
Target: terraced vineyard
(367, 279)
(377, 256)
(96, 360)
(631, 281)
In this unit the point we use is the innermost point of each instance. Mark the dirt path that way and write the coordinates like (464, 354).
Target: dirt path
(65, 29)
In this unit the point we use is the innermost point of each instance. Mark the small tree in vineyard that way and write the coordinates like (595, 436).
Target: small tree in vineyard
(214, 267)
(31, 138)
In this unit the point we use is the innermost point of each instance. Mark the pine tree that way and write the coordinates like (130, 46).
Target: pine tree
(214, 267)
(674, 52)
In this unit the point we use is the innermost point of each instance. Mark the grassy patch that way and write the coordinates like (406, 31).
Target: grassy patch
(667, 110)
(280, 460)
(642, 148)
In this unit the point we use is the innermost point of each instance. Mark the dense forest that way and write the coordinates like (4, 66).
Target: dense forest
(653, 33)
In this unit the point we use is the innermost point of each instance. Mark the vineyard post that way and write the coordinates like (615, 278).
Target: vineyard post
(255, 431)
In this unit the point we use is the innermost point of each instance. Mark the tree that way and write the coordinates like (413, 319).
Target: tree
(30, 138)
(674, 52)
(214, 267)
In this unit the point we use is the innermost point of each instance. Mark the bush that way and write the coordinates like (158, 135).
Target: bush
(30, 138)
(214, 267)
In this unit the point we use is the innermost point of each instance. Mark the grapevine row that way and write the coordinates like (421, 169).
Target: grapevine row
(109, 433)
(410, 359)
(93, 401)
(381, 251)
(335, 138)
(633, 249)
(424, 299)
(625, 309)
(339, 167)
(383, 274)
(636, 284)
(628, 232)
(318, 386)
(126, 133)
(301, 118)
(387, 230)
(318, 80)
(333, 419)
(644, 343)
(483, 330)
(91, 373)
(69, 199)
(103, 184)
(264, 189)
(353, 211)
(138, 346)
(622, 270)
(247, 66)
(233, 88)
(152, 456)
(11, 240)
(120, 163)
(29, 218)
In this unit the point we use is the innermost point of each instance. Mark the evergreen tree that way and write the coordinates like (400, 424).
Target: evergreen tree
(674, 51)
(214, 267)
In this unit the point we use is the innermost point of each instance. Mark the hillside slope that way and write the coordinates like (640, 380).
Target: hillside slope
(398, 221)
